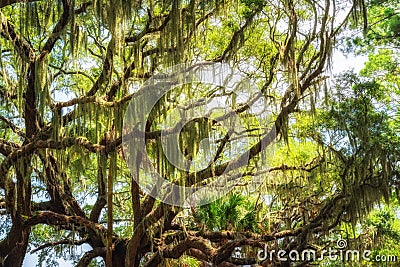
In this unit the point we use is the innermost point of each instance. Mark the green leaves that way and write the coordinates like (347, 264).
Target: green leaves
(233, 212)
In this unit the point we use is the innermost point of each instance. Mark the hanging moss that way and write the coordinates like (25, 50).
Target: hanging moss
(42, 84)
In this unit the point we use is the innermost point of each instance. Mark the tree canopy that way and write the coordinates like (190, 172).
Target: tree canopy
(314, 160)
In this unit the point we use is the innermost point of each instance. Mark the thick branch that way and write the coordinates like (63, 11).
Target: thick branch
(57, 243)
(178, 250)
(90, 255)
(7, 147)
(23, 48)
(93, 99)
(68, 222)
(58, 29)
(238, 36)
(4, 3)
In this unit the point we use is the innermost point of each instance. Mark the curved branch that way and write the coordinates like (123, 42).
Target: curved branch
(178, 250)
(23, 48)
(5, 3)
(12, 126)
(57, 243)
(7, 147)
(29, 148)
(238, 36)
(73, 72)
(148, 30)
(106, 70)
(68, 222)
(90, 255)
(58, 29)
(93, 99)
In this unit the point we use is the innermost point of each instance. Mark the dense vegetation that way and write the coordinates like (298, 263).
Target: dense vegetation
(322, 161)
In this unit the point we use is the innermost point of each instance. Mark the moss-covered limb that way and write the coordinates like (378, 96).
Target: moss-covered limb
(135, 193)
(33, 120)
(24, 49)
(170, 237)
(162, 213)
(204, 250)
(147, 204)
(67, 222)
(106, 72)
(27, 54)
(110, 192)
(31, 147)
(101, 199)
(95, 232)
(288, 105)
(308, 167)
(90, 255)
(153, 29)
(238, 38)
(68, 142)
(180, 248)
(197, 254)
(116, 85)
(59, 186)
(102, 101)
(148, 29)
(179, 242)
(62, 71)
(12, 126)
(54, 186)
(7, 147)
(12, 2)
(18, 203)
(83, 7)
(60, 26)
(60, 242)
(224, 252)
(100, 84)
(218, 236)
(39, 144)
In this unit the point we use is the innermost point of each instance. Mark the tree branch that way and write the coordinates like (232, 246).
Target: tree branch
(61, 242)
(6, 147)
(68, 222)
(60, 26)
(4, 3)
(12, 126)
(178, 250)
(90, 255)
(23, 48)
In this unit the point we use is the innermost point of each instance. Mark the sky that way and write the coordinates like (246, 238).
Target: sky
(343, 62)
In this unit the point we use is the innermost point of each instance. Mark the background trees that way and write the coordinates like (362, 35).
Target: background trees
(70, 68)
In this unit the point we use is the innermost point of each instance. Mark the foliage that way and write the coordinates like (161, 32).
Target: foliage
(68, 70)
